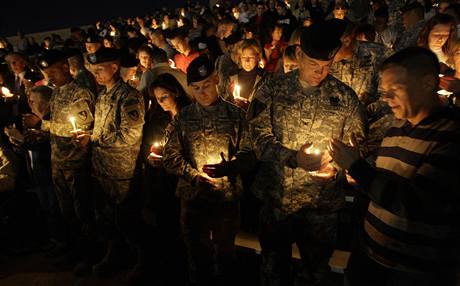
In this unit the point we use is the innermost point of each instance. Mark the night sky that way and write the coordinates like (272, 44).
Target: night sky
(43, 15)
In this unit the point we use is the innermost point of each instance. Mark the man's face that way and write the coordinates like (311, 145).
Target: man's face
(104, 72)
(91, 48)
(380, 23)
(205, 92)
(58, 73)
(180, 45)
(249, 59)
(38, 106)
(340, 13)
(312, 71)
(16, 63)
(399, 91)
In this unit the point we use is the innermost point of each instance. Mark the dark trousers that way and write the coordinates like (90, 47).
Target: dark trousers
(209, 230)
(313, 232)
(74, 195)
(363, 271)
(118, 211)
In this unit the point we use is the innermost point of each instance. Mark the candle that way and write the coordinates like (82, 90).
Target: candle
(217, 5)
(237, 91)
(156, 147)
(164, 26)
(74, 125)
(444, 92)
(441, 75)
(112, 33)
(180, 23)
(172, 64)
(182, 13)
(313, 150)
(6, 92)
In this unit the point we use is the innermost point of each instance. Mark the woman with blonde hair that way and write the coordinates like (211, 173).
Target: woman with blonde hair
(241, 86)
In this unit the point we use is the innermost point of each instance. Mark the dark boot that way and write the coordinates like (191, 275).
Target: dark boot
(111, 261)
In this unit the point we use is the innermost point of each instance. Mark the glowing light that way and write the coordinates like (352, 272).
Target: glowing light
(112, 33)
(172, 64)
(164, 26)
(156, 147)
(74, 125)
(313, 150)
(444, 92)
(6, 92)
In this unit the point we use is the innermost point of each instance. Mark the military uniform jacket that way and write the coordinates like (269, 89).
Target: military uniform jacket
(117, 133)
(196, 137)
(66, 101)
(285, 115)
(361, 71)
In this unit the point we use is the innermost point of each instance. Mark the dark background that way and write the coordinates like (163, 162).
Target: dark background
(31, 16)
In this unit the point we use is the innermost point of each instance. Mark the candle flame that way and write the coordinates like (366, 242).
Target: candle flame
(444, 92)
(6, 92)
(313, 150)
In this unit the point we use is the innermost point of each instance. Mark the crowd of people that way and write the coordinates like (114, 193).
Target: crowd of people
(163, 135)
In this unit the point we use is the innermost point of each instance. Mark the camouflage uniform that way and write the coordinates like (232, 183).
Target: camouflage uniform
(116, 141)
(86, 79)
(361, 71)
(409, 37)
(283, 116)
(196, 137)
(381, 118)
(69, 163)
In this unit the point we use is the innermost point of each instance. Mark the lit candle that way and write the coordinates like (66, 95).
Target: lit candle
(164, 26)
(313, 150)
(237, 91)
(444, 92)
(6, 92)
(112, 33)
(74, 125)
(217, 5)
(182, 13)
(180, 23)
(156, 146)
(172, 64)
(441, 75)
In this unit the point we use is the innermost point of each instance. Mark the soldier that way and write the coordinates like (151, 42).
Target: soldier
(413, 21)
(71, 106)
(198, 137)
(82, 76)
(291, 120)
(356, 63)
(115, 143)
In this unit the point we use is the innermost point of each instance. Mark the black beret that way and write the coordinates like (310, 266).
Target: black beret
(92, 39)
(128, 60)
(103, 55)
(49, 58)
(411, 5)
(321, 41)
(199, 69)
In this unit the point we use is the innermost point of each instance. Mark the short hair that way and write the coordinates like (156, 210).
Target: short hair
(290, 52)
(367, 30)
(44, 91)
(417, 61)
(158, 56)
(381, 12)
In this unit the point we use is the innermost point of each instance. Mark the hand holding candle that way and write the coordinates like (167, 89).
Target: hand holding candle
(218, 169)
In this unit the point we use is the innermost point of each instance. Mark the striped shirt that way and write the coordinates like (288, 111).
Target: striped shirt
(412, 222)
